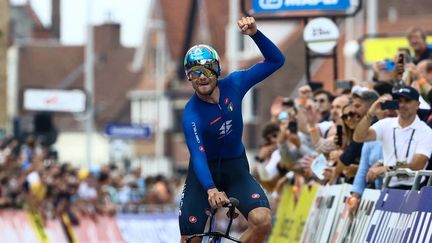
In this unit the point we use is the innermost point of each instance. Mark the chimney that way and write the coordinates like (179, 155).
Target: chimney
(107, 37)
(55, 18)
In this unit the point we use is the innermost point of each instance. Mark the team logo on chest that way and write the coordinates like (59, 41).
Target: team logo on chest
(225, 129)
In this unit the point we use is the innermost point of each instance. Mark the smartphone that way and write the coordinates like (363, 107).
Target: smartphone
(292, 127)
(344, 84)
(287, 102)
(339, 134)
(401, 58)
(390, 105)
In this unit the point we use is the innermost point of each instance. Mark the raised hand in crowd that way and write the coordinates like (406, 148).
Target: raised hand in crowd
(276, 107)
(308, 116)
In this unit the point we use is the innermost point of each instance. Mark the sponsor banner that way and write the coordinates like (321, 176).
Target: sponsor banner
(15, 226)
(260, 6)
(291, 215)
(419, 226)
(97, 229)
(48, 230)
(319, 224)
(156, 227)
(363, 217)
(385, 217)
(341, 222)
(128, 131)
(55, 232)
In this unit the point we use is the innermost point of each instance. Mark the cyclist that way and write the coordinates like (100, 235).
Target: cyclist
(212, 124)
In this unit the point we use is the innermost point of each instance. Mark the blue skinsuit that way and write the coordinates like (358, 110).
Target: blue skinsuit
(213, 135)
(214, 131)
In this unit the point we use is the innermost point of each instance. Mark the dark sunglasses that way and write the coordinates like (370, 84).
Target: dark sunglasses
(196, 72)
(320, 100)
(273, 135)
(349, 115)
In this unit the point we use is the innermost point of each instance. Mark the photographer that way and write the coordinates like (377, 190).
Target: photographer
(407, 141)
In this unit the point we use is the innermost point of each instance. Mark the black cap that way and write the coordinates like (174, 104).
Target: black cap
(407, 92)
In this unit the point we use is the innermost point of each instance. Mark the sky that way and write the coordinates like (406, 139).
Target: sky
(130, 13)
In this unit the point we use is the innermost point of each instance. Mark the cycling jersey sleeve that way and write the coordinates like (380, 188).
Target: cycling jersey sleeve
(273, 60)
(192, 131)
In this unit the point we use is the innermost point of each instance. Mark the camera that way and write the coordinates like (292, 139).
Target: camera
(287, 102)
(390, 105)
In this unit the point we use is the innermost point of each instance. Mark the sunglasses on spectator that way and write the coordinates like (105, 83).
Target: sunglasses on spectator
(320, 100)
(349, 115)
(273, 135)
(196, 72)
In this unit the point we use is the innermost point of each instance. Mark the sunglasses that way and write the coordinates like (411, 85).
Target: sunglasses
(274, 135)
(349, 115)
(196, 72)
(320, 100)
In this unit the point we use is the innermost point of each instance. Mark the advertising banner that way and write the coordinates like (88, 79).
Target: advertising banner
(418, 226)
(292, 215)
(386, 215)
(322, 215)
(49, 230)
(15, 226)
(97, 229)
(363, 217)
(155, 227)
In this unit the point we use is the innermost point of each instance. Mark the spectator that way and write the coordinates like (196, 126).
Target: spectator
(371, 153)
(362, 99)
(323, 99)
(267, 153)
(324, 142)
(348, 156)
(417, 41)
(407, 141)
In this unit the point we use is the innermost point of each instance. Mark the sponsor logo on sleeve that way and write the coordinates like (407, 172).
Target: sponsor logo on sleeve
(195, 130)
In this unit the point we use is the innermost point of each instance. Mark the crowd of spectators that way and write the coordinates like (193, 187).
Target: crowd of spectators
(31, 178)
(362, 130)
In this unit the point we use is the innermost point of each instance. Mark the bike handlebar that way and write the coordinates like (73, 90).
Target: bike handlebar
(234, 202)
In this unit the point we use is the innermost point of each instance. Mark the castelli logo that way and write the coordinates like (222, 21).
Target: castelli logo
(255, 196)
(201, 148)
(193, 219)
(226, 100)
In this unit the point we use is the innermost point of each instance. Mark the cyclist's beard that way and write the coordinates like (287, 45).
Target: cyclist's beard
(206, 91)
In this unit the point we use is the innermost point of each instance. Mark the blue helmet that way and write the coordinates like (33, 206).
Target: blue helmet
(202, 55)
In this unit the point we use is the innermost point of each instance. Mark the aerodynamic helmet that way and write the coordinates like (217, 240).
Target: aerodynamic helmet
(202, 55)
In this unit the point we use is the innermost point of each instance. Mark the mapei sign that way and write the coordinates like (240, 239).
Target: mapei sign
(262, 6)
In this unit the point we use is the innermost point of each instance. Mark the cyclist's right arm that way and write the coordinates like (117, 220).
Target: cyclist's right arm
(194, 141)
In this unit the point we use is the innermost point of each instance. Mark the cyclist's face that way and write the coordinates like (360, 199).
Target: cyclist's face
(203, 80)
